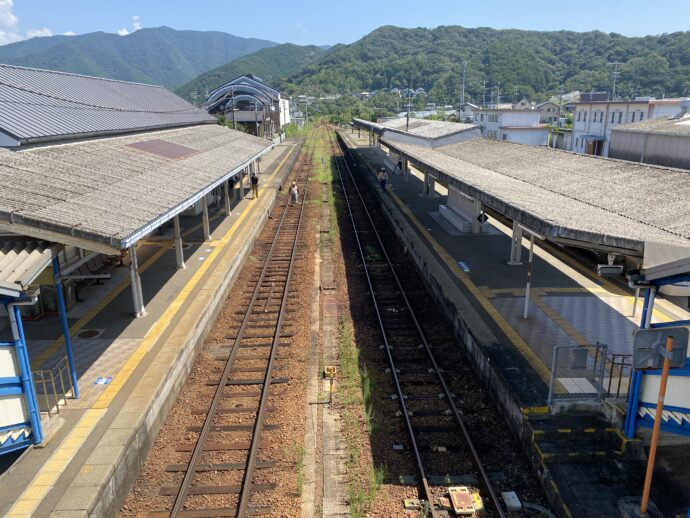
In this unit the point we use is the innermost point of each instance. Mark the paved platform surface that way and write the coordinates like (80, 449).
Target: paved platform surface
(569, 305)
(98, 438)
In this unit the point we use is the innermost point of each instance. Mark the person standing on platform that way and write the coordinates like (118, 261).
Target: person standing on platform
(383, 178)
(294, 194)
(398, 167)
(255, 186)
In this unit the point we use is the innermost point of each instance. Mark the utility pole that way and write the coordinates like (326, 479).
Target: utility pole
(498, 94)
(615, 75)
(515, 96)
(462, 91)
(484, 91)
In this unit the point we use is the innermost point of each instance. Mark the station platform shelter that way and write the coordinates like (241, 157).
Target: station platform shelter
(524, 251)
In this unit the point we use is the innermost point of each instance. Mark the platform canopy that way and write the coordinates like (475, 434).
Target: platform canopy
(423, 128)
(105, 194)
(579, 200)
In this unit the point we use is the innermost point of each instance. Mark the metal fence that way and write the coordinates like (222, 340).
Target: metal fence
(53, 386)
(577, 373)
(618, 373)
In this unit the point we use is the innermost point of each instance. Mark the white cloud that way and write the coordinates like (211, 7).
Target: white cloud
(8, 20)
(136, 25)
(9, 25)
(39, 33)
(69, 33)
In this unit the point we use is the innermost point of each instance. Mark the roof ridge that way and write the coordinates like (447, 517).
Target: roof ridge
(60, 72)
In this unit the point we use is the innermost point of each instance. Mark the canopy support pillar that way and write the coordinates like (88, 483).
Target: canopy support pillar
(137, 294)
(476, 212)
(179, 251)
(226, 196)
(516, 245)
(62, 309)
(205, 220)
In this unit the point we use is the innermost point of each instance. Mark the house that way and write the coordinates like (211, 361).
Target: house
(593, 121)
(248, 101)
(523, 104)
(664, 141)
(512, 125)
(548, 112)
(466, 112)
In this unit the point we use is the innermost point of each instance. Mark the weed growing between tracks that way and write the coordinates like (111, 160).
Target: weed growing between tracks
(354, 399)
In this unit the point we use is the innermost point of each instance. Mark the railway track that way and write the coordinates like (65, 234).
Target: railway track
(230, 439)
(437, 438)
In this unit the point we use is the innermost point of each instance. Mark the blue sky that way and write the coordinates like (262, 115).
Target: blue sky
(329, 22)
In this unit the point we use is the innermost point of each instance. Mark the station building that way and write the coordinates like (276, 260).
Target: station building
(664, 141)
(91, 169)
(248, 101)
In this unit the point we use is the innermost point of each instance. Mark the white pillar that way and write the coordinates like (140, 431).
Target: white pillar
(179, 252)
(204, 218)
(258, 166)
(137, 294)
(226, 196)
(516, 245)
(529, 274)
(476, 211)
(406, 169)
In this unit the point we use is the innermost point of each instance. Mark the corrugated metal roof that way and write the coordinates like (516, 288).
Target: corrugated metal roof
(567, 196)
(104, 194)
(21, 261)
(668, 126)
(428, 129)
(40, 105)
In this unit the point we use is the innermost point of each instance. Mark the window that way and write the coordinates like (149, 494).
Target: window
(620, 117)
(584, 118)
(641, 115)
(482, 117)
(579, 115)
(613, 116)
(632, 117)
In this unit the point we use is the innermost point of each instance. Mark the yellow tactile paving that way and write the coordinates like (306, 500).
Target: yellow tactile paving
(38, 488)
(95, 310)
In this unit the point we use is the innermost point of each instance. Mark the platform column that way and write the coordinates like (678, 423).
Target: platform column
(405, 169)
(476, 212)
(428, 187)
(179, 252)
(137, 294)
(62, 310)
(205, 220)
(258, 166)
(516, 245)
(630, 425)
(226, 196)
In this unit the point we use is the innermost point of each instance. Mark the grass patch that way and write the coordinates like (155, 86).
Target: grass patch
(354, 397)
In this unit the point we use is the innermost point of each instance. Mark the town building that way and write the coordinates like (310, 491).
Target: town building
(548, 112)
(593, 121)
(466, 112)
(248, 101)
(664, 141)
(511, 125)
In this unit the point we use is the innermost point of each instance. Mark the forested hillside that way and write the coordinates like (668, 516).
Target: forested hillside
(160, 55)
(522, 63)
(273, 65)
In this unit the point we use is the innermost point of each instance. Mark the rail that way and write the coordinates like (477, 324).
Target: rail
(401, 396)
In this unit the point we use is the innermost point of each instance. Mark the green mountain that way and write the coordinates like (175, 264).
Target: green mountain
(519, 63)
(273, 65)
(159, 55)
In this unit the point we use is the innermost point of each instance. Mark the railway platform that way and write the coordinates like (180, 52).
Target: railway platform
(586, 463)
(131, 370)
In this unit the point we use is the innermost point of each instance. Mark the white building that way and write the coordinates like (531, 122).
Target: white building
(521, 126)
(548, 112)
(594, 121)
